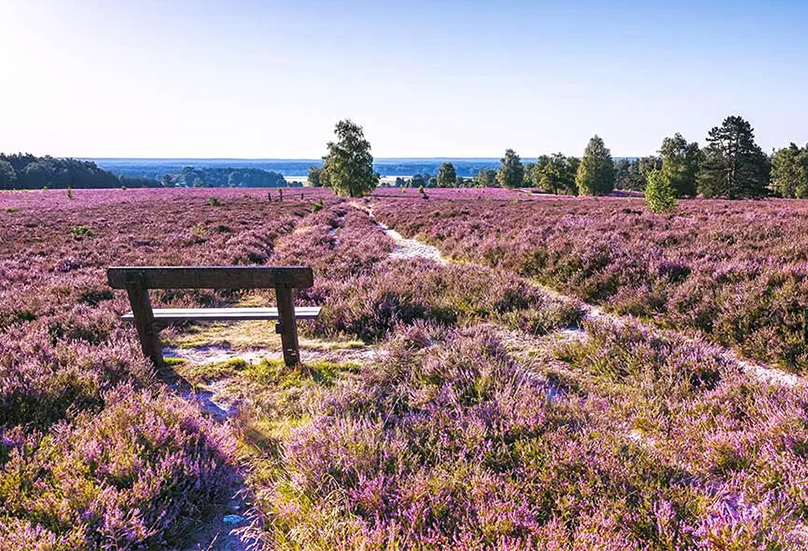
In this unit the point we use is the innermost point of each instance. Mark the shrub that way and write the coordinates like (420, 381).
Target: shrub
(42, 382)
(401, 292)
(135, 476)
(731, 270)
(81, 232)
(660, 195)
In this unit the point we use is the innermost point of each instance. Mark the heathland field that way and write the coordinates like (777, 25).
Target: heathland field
(497, 370)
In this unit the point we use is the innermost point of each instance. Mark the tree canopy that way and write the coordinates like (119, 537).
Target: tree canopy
(632, 174)
(8, 176)
(447, 175)
(733, 166)
(31, 172)
(596, 172)
(485, 178)
(313, 177)
(680, 164)
(511, 172)
(556, 173)
(790, 172)
(419, 180)
(660, 195)
(349, 162)
(228, 177)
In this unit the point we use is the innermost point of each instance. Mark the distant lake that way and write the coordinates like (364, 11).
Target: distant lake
(155, 168)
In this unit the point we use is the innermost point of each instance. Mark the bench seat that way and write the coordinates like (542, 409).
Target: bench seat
(138, 280)
(226, 314)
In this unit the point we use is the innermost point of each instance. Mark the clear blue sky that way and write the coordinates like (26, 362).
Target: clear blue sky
(259, 79)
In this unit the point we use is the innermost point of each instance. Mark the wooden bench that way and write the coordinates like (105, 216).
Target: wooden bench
(137, 280)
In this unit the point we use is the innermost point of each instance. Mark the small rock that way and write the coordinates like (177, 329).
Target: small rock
(234, 520)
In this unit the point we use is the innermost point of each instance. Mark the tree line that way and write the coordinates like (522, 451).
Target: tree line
(27, 171)
(225, 177)
(731, 165)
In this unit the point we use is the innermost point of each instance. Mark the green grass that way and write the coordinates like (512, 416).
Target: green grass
(320, 372)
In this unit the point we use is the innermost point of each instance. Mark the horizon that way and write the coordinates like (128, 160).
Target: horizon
(258, 80)
(302, 160)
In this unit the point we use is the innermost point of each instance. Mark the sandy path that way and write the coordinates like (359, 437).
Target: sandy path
(761, 372)
(404, 248)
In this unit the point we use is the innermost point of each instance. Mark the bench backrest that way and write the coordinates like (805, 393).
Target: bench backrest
(219, 277)
(137, 280)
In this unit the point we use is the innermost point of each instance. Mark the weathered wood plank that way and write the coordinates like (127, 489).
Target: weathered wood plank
(226, 314)
(215, 277)
(143, 317)
(287, 327)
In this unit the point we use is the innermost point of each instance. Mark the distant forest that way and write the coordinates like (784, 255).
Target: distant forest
(226, 177)
(26, 171)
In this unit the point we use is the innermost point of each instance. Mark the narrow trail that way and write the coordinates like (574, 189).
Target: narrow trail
(223, 530)
(404, 248)
(410, 248)
(220, 530)
(762, 372)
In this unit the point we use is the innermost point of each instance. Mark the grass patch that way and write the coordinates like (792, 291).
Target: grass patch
(265, 435)
(247, 335)
(197, 373)
(320, 372)
(243, 335)
(175, 362)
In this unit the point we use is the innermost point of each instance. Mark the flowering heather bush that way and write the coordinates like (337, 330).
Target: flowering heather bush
(338, 242)
(736, 271)
(41, 382)
(56, 199)
(741, 439)
(472, 429)
(450, 442)
(493, 193)
(130, 477)
(397, 292)
(88, 458)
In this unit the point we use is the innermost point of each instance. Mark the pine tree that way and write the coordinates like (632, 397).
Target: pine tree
(349, 162)
(734, 166)
(447, 175)
(570, 175)
(680, 164)
(596, 172)
(485, 178)
(555, 173)
(511, 172)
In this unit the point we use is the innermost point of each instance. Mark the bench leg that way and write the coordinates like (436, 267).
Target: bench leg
(288, 328)
(144, 322)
